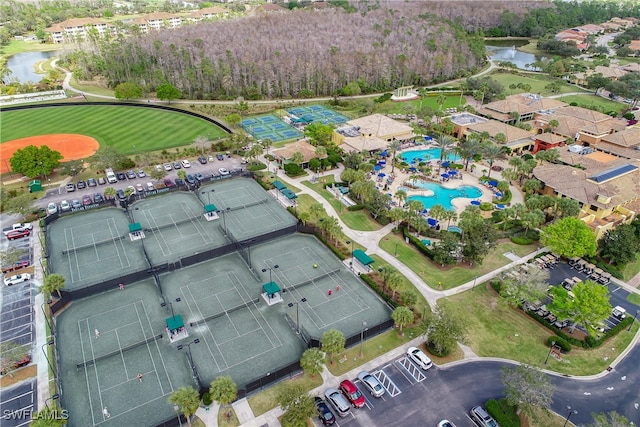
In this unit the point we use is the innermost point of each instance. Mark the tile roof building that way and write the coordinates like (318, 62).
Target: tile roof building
(76, 29)
(308, 151)
(525, 104)
(371, 133)
(157, 20)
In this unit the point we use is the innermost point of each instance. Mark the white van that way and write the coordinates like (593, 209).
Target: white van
(111, 177)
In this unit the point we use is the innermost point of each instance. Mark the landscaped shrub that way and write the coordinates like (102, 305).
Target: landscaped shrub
(486, 206)
(503, 413)
(444, 353)
(497, 216)
(291, 169)
(521, 240)
(560, 342)
(206, 398)
(373, 285)
(253, 167)
(417, 243)
(355, 208)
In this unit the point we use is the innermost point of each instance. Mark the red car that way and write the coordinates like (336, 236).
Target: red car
(12, 235)
(352, 393)
(17, 266)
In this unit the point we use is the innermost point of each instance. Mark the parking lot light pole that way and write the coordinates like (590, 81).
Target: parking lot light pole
(569, 413)
(54, 397)
(550, 350)
(297, 304)
(352, 243)
(164, 304)
(634, 319)
(264, 270)
(50, 342)
(194, 370)
(224, 219)
(362, 331)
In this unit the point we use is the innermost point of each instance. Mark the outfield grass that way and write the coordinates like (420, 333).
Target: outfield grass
(593, 101)
(537, 82)
(129, 129)
(450, 277)
(496, 330)
(631, 269)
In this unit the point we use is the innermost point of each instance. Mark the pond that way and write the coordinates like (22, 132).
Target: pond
(510, 53)
(22, 66)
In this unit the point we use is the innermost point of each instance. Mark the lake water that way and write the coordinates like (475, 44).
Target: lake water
(510, 53)
(21, 65)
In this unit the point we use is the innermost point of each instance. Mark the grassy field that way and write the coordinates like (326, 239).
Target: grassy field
(129, 129)
(390, 107)
(450, 276)
(537, 82)
(496, 330)
(593, 101)
(631, 269)
(18, 46)
(267, 400)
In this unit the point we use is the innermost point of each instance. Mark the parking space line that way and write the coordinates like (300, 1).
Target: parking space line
(364, 392)
(412, 369)
(387, 383)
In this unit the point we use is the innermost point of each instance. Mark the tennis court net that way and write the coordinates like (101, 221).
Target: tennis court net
(172, 224)
(88, 363)
(91, 245)
(225, 312)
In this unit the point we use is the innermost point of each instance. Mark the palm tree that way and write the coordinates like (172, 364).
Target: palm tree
(492, 152)
(402, 316)
(223, 390)
(442, 98)
(187, 400)
(267, 143)
(450, 215)
(297, 158)
(52, 283)
(445, 143)
(402, 196)
(109, 193)
(394, 146)
(468, 148)
(312, 361)
(437, 212)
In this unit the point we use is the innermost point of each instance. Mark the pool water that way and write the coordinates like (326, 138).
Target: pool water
(443, 196)
(426, 155)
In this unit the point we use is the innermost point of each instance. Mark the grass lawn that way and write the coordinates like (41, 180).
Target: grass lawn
(91, 89)
(532, 47)
(129, 129)
(587, 101)
(18, 46)
(450, 276)
(356, 220)
(634, 298)
(496, 330)
(267, 400)
(537, 82)
(631, 269)
(390, 107)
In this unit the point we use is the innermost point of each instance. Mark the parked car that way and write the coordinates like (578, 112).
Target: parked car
(223, 171)
(446, 423)
(186, 164)
(179, 182)
(619, 312)
(150, 186)
(202, 160)
(91, 182)
(75, 204)
(371, 383)
(482, 418)
(190, 179)
(120, 195)
(219, 156)
(102, 181)
(168, 183)
(52, 208)
(324, 413)
(337, 401)
(26, 359)
(167, 167)
(121, 176)
(141, 173)
(81, 184)
(158, 167)
(14, 267)
(211, 159)
(421, 359)
(70, 187)
(139, 188)
(131, 174)
(177, 165)
(130, 190)
(199, 177)
(18, 234)
(86, 200)
(97, 198)
(352, 393)
(65, 206)
(18, 278)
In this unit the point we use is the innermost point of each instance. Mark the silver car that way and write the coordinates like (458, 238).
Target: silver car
(338, 401)
(482, 418)
(371, 383)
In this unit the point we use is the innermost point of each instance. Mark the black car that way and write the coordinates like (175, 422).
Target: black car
(179, 182)
(190, 179)
(219, 156)
(202, 160)
(81, 184)
(177, 165)
(131, 174)
(324, 413)
(121, 176)
(120, 195)
(92, 182)
(97, 198)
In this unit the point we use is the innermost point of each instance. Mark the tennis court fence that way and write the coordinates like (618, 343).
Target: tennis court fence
(247, 304)
(174, 223)
(92, 244)
(313, 279)
(88, 363)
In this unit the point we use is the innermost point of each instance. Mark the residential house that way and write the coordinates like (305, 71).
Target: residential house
(371, 133)
(524, 104)
(591, 29)
(76, 29)
(634, 45)
(606, 187)
(613, 72)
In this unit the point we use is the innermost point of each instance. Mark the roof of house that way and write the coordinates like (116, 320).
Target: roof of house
(632, 66)
(625, 138)
(75, 22)
(583, 113)
(302, 146)
(494, 127)
(214, 10)
(634, 45)
(523, 103)
(270, 7)
(550, 138)
(156, 16)
(591, 28)
(569, 125)
(382, 126)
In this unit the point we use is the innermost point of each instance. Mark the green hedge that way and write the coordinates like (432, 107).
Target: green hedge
(486, 206)
(560, 342)
(373, 285)
(417, 243)
(503, 413)
(258, 166)
(355, 208)
(206, 399)
(521, 240)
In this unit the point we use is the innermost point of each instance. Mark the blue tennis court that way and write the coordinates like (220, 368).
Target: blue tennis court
(317, 113)
(271, 127)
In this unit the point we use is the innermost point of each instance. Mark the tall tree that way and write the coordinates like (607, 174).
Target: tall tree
(312, 361)
(318, 133)
(187, 400)
(11, 255)
(402, 316)
(529, 286)
(53, 283)
(224, 391)
(443, 329)
(479, 235)
(492, 152)
(233, 119)
(128, 90)
(589, 306)
(527, 388)
(35, 161)
(609, 419)
(394, 146)
(167, 92)
(333, 342)
(569, 237)
(619, 245)
(297, 404)
(446, 144)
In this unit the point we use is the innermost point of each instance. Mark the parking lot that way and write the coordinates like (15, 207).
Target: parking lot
(18, 403)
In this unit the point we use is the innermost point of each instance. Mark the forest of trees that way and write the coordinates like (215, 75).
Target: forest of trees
(301, 53)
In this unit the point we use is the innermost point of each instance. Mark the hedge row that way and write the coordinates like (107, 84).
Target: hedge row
(560, 342)
(417, 243)
(355, 208)
(503, 413)
(373, 285)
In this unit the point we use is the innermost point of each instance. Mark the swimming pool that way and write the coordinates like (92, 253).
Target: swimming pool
(443, 196)
(426, 155)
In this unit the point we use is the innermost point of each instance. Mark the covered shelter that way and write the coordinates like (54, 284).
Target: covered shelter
(210, 212)
(135, 231)
(363, 259)
(271, 293)
(175, 328)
